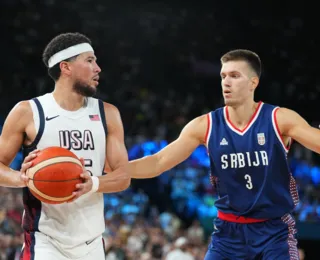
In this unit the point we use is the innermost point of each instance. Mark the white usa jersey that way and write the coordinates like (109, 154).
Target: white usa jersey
(84, 133)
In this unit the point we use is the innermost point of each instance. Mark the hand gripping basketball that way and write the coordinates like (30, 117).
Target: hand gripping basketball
(54, 174)
(26, 164)
(85, 186)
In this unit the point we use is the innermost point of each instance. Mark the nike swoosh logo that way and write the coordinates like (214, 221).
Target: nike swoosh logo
(89, 242)
(50, 118)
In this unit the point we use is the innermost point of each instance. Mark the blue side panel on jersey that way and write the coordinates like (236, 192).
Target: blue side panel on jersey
(31, 218)
(32, 206)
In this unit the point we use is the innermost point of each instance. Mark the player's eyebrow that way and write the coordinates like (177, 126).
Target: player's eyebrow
(92, 57)
(229, 72)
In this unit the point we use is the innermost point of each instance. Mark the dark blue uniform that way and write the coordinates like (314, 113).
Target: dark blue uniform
(257, 192)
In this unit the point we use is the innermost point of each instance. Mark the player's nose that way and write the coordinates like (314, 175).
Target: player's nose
(97, 69)
(226, 82)
(226, 85)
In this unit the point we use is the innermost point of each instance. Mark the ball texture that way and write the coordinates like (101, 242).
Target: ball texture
(54, 175)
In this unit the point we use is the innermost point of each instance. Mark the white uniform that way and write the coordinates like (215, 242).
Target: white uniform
(70, 230)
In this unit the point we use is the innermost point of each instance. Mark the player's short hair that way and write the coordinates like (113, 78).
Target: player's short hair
(59, 43)
(250, 57)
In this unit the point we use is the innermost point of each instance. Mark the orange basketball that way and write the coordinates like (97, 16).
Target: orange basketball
(54, 175)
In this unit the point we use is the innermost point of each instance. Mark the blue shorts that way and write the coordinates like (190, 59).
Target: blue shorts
(269, 240)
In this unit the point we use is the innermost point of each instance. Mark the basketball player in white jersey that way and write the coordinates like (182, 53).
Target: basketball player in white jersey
(71, 118)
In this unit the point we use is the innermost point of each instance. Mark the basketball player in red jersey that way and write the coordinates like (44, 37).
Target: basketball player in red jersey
(247, 142)
(71, 118)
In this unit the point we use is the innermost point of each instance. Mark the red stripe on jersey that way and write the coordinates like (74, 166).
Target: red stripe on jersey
(208, 128)
(287, 146)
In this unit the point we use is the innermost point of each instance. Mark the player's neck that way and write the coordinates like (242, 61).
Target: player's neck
(242, 114)
(66, 98)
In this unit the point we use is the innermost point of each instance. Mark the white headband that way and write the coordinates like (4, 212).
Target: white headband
(68, 53)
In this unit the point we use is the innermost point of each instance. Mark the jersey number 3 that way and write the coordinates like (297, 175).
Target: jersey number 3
(249, 181)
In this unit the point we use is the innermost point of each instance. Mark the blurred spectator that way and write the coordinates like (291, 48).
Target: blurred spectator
(180, 251)
(196, 234)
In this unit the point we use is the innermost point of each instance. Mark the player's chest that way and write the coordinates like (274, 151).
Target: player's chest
(257, 139)
(232, 151)
(81, 134)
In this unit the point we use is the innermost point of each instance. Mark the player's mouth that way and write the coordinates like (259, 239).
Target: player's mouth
(96, 79)
(227, 93)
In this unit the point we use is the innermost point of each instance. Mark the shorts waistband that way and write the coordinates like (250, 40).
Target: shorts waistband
(238, 219)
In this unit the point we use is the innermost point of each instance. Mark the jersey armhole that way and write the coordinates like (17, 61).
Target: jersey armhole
(39, 122)
(209, 129)
(275, 125)
(104, 124)
(103, 117)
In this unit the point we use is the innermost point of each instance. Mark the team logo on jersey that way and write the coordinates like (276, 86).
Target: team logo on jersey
(261, 138)
(76, 140)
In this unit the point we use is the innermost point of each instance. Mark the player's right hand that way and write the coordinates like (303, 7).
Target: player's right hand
(26, 164)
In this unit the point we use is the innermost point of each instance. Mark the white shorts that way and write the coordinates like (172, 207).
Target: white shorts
(39, 246)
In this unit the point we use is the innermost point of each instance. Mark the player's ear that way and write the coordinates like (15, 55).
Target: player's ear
(65, 68)
(254, 82)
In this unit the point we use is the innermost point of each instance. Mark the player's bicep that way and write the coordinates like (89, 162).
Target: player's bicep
(116, 152)
(117, 155)
(192, 135)
(12, 134)
(293, 125)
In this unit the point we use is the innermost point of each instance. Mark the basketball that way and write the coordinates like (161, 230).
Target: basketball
(54, 175)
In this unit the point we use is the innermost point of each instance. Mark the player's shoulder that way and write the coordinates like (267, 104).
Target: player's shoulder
(20, 115)
(285, 114)
(280, 115)
(200, 119)
(22, 108)
(112, 113)
(110, 108)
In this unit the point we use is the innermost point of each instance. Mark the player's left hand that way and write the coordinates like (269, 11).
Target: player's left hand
(85, 186)
(82, 188)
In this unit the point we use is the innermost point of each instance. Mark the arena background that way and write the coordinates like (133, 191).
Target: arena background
(160, 67)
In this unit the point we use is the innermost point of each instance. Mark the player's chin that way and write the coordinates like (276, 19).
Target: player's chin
(231, 102)
(94, 83)
(228, 102)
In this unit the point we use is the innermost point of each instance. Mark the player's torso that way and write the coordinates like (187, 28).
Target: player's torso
(247, 163)
(81, 132)
(84, 133)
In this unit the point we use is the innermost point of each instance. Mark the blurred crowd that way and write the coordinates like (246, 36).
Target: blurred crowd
(160, 67)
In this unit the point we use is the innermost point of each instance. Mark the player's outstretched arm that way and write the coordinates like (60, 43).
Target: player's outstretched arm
(11, 140)
(192, 135)
(117, 156)
(291, 124)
